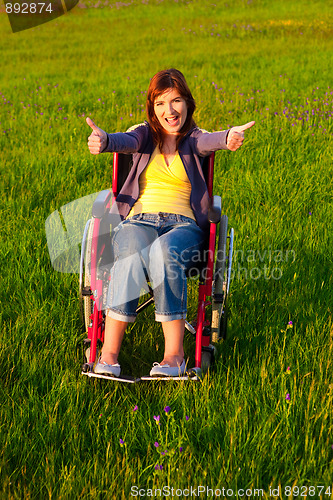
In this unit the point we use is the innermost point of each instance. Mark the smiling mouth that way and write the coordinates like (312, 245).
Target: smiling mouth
(173, 120)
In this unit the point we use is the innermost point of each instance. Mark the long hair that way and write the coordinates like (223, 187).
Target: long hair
(160, 83)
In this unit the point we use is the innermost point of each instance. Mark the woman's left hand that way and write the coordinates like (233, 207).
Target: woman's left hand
(236, 136)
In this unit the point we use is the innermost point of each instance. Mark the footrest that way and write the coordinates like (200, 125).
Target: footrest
(191, 374)
(194, 374)
(182, 377)
(125, 378)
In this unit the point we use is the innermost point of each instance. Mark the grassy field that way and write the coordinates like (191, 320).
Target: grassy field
(262, 418)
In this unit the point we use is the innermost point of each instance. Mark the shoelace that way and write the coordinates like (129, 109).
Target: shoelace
(117, 365)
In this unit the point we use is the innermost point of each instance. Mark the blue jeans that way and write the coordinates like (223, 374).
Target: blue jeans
(159, 248)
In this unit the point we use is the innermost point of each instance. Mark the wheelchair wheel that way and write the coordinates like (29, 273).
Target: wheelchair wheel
(87, 303)
(220, 291)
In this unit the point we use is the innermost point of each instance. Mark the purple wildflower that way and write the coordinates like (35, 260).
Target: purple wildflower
(180, 449)
(187, 418)
(288, 397)
(121, 442)
(167, 409)
(156, 444)
(158, 467)
(157, 419)
(135, 408)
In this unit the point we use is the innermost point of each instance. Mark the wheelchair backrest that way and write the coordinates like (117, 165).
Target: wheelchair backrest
(122, 164)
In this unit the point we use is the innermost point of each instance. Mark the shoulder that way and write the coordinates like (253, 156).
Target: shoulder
(133, 140)
(140, 127)
(189, 144)
(142, 134)
(192, 135)
(196, 132)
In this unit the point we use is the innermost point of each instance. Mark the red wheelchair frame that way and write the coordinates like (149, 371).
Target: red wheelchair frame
(213, 282)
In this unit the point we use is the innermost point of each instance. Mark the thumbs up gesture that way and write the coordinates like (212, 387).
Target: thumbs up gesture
(236, 136)
(98, 138)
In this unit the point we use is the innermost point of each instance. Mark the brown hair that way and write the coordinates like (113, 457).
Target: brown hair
(160, 83)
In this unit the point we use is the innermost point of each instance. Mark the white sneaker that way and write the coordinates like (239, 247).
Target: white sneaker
(103, 368)
(167, 370)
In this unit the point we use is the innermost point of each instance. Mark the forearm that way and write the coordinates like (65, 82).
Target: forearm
(127, 142)
(121, 143)
(208, 142)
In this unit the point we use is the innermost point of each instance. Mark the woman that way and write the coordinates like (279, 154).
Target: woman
(163, 206)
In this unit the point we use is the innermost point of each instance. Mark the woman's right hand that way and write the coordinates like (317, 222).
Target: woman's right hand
(97, 140)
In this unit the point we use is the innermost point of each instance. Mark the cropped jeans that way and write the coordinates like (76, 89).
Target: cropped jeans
(158, 248)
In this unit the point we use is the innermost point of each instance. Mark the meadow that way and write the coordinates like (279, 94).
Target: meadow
(259, 424)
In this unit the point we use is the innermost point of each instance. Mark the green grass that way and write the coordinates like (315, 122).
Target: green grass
(260, 60)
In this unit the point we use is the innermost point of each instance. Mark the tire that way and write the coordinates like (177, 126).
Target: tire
(87, 302)
(219, 316)
(103, 264)
(226, 285)
(87, 354)
(206, 360)
(224, 320)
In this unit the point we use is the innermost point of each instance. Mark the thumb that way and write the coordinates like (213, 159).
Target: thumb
(92, 125)
(241, 128)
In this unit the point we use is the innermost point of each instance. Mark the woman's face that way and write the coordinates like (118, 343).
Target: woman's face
(171, 111)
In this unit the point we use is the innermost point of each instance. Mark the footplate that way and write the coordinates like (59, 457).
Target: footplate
(125, 378)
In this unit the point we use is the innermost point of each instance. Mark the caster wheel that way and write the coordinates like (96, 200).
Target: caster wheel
(87, 351)
(207, 359)
(195, 373)
(86, 368)
(87, 354)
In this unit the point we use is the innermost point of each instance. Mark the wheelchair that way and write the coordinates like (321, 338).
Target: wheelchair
(214, 276)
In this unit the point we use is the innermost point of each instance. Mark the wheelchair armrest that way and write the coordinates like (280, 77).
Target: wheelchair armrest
(214, 212)
(101, 203)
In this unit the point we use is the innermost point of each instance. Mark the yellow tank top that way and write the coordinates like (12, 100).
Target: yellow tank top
(164, 188)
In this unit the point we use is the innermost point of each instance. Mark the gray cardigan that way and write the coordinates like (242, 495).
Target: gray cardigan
(192, 148)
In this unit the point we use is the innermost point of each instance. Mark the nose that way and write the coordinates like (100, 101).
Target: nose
(170, 108)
